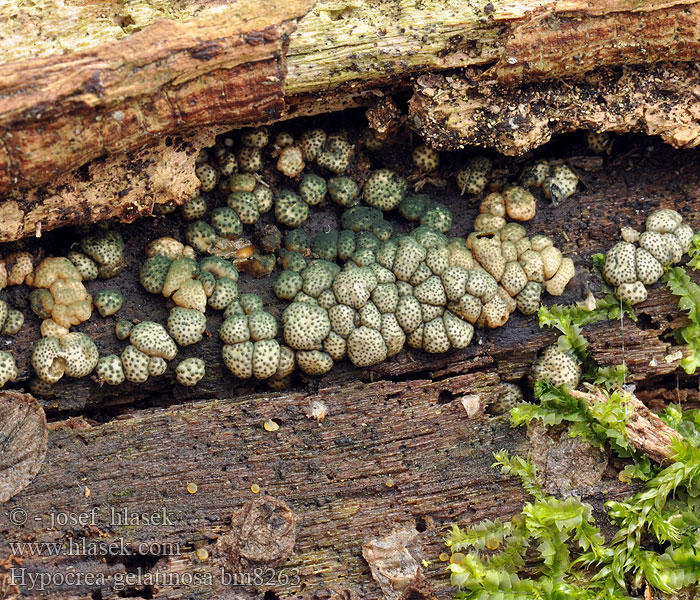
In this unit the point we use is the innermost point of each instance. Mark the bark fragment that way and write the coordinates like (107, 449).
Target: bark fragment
(645, 430)
(455, 111)
(23, 438)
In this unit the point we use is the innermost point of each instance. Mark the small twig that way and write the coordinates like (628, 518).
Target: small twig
(645, 430)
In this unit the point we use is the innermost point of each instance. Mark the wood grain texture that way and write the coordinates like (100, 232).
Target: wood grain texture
(226, 67)
(333, 476)
(94, 83)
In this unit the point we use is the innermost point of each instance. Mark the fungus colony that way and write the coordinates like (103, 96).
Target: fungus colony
(362, 292)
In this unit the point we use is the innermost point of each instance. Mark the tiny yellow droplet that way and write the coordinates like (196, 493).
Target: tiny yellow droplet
(492, 544)
(457, 558)
(202, 554)
(87, 492)
(255, 488)
(192, 488)
(271, 425)
(389, 483)
(444, 557)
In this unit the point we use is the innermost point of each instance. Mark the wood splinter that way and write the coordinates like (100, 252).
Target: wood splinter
(644, 429)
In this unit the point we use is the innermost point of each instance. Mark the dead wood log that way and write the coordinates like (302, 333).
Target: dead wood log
(67, 99)
(620, 193)
(389, 454)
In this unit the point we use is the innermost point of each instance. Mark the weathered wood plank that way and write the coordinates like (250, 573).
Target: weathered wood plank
(333, 475)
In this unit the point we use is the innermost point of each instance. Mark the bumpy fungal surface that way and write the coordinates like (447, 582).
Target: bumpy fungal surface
(190, 371)
(73, 354)
(109, 370)
(598, 141)
(561, 184)
(290, 209)
(152, 339)
(17, 268)
(557, 367)
(106, 248)
(108, 302)
(344, 191)
(520, 204)
(424, 289)
(425, 158)
(356, 285)
(291, 161)
(8, 368)
(12, 323)
(186, 326)
(70, 303)
(384, 190)
(473, 177)
(639, 260)
(86, 266)
(312, 189)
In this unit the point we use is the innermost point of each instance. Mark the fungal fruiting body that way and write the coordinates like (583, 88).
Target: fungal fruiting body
(363, 291)
(632, 265)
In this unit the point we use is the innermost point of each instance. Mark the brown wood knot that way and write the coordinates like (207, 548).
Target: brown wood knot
(263, 532)
(23, 440)
(205, 50)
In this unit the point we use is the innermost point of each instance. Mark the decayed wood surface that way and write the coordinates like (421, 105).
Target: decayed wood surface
(127, 78)
(401, 423)
(333, 476)
(459, 110)
(644, 430)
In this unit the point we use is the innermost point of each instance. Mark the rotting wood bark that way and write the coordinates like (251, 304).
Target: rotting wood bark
(137, 78)
(455, 111)
(59, 112)
(644, 430)
(332, 475)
